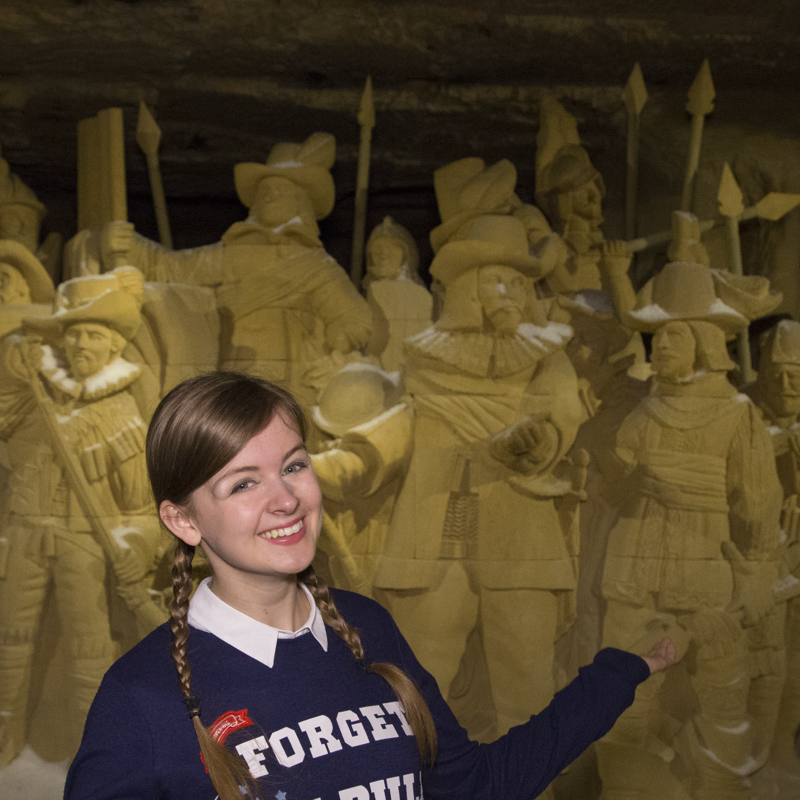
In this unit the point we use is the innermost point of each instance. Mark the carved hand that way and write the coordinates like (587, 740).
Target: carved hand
(615, 260)
(115, 243)
(527, 446)
(346, 336)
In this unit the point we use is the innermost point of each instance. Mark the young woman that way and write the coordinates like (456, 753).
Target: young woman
(268, 684)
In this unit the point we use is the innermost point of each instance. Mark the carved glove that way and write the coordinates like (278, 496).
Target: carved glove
(527, 446)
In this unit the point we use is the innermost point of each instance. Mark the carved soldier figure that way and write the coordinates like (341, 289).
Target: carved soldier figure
(401, 305)
(283, 301)
(694, 548)
(777, 394)
(72, 428)
(20, 211)
(475, 539)
(25, 287)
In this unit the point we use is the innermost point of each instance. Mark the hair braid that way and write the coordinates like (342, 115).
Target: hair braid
(407, 691)
(227, 772)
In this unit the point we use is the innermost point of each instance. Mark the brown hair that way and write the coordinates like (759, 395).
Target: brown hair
(195, 431)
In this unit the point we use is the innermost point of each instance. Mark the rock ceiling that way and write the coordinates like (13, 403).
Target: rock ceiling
(226, 79)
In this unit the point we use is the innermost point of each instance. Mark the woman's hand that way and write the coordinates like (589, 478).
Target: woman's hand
(660, 656)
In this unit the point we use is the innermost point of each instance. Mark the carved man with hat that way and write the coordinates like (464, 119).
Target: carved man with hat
(25, 287)
(475, 540)
(283, 301)
(73, 430)
(694, 549)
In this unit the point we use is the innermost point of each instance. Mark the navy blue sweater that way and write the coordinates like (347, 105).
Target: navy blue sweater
(315, 725)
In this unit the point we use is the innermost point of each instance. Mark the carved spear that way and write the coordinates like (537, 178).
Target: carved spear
(366, 119)
(148, 137)
(635, 96)
(731, 207)
(701, 103)
(771, 207)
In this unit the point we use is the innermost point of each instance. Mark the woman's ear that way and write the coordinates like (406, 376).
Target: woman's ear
(178, 522)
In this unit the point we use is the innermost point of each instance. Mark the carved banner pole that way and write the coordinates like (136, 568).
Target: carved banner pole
(635, 96)
(731, 207)
(771, 207)
(701, 103)
(148, 137)
(366, 119)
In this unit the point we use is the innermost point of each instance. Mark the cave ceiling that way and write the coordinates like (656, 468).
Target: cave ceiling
(227, 79)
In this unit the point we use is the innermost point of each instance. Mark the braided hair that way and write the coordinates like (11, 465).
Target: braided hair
(196, 430)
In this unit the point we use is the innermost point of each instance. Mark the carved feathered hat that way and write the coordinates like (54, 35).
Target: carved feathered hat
(39, 281)
(690, 290)
(468, 188)
(308, 165)
(113, 299)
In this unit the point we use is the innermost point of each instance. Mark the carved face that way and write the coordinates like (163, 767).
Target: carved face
(783, 389)
(587, 203)
(88, 348)
(502, 292)
(13, 287)
(277, 201)
(20, 223)
(674, 352)
(385, 257)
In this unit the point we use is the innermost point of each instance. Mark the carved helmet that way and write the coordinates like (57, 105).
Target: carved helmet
(307, 165)
(389, 229)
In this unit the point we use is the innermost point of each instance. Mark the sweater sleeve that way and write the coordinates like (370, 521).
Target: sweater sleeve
(115, 760)
(523, 762)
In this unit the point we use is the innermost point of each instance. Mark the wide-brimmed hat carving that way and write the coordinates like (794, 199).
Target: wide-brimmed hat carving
(113, 300)
(307, 165)
(467, 188)
(682, 291)
(40, 284)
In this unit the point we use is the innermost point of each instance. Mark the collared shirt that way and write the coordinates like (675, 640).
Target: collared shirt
(256, 639)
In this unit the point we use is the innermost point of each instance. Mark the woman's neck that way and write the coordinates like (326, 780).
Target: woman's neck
(279, 604)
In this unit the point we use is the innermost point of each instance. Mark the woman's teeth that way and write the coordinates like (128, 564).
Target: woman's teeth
(281, 532)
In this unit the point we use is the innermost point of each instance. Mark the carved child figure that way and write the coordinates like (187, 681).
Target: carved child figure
(70, 421)
(694, 548)
(283, 301)
(475, 539)
(401, 305)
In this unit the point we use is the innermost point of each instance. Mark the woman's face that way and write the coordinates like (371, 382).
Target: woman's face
(259, 517)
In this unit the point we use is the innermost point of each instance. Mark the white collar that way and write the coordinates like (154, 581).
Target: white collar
(256, 639)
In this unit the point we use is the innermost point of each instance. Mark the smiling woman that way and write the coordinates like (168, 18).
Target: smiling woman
(265, 685)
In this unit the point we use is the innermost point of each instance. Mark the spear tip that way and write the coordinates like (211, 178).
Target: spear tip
(729, 195)
(148, 134)
(366, 111)
(701, 93)
(635, 94)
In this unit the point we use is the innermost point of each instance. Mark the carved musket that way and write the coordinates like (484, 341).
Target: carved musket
(635, 96)
(701, 103)
(731, 207)
(366, 119)
(770, 207)
(148, 137)
(104, 522)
